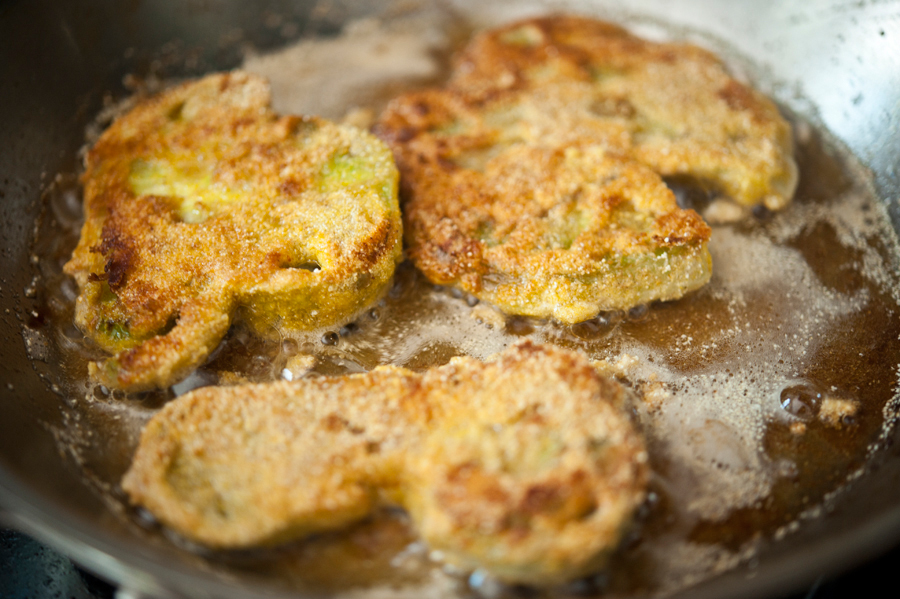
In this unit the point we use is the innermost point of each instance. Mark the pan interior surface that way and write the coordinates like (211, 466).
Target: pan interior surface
(791, 515)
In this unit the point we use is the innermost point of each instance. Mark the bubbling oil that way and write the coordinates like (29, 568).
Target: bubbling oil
(758, 394)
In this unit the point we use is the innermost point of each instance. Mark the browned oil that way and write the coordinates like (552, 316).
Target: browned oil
(732, 381)
(419, 325)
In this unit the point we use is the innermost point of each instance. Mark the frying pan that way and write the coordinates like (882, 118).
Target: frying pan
(835, 62)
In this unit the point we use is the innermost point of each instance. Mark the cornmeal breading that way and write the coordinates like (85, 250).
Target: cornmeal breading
(554, 225)
(532, 179)
(526, 465)
(672, 106)
(202, 204)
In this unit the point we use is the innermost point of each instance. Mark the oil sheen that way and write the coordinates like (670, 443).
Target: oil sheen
(759, 394)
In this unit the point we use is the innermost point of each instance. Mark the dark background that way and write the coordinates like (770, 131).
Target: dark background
(30, 570)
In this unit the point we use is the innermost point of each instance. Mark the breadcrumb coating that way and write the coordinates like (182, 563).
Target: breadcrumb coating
(526, 465)
(673, 106)
(202, 206)
(533, 179)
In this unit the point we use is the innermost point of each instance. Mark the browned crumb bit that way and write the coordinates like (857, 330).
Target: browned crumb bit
(838, 413)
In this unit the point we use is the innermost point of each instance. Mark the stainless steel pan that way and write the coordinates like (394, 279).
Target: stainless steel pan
(836, 62)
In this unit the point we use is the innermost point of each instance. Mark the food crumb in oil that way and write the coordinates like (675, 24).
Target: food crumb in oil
(490, 316)
(837, 413)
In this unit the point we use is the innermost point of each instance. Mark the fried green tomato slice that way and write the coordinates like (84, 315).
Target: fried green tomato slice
(202, 206)
(672, 106)
(544, 225)
(526, 465)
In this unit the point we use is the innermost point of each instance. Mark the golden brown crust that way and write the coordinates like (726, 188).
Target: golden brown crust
(519, 177)
(201, 202)
(538, 219)
(526, 465)
(680, 110)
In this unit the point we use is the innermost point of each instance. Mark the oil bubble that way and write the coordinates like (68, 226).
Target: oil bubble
(639, 313)
(596, 328)
(289, 347)
(801, 400)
